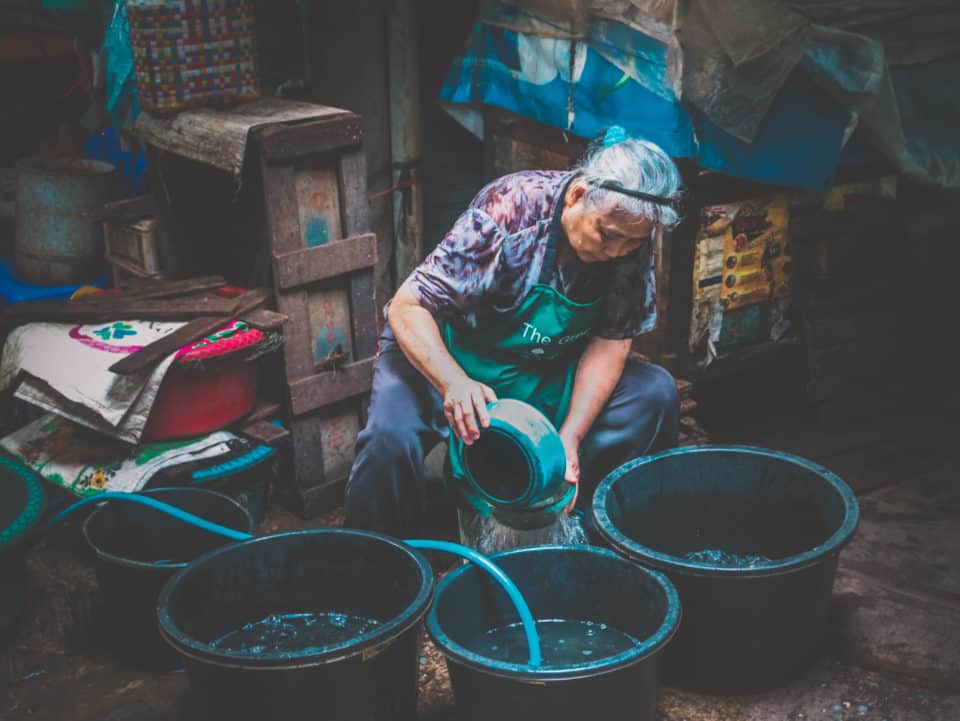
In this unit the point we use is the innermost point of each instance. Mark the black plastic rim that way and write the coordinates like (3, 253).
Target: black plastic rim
(639, 553)
(156, 493)
(368, 644)
(522, 672)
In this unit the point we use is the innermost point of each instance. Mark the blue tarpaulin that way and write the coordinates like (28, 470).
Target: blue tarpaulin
(529, 75)
(799, 142)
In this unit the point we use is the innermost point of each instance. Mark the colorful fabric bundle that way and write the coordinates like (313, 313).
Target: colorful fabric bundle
(191, 53)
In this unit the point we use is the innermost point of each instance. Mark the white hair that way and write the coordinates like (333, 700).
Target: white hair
(635, 165)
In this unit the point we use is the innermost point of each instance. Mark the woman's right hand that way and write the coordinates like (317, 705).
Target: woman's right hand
(464, 404)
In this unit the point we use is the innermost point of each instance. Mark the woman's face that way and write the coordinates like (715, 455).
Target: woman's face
(596, 236)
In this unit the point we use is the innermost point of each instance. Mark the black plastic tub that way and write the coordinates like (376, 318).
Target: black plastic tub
(559, 582)
(138, 548)
(372, 676)
(749, 623)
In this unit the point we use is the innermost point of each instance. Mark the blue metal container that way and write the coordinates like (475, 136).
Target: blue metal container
(576, 583)
(519, 461)
(55, 243)
(751, 539)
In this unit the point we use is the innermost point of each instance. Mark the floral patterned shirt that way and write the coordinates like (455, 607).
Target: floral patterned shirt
(493, 255)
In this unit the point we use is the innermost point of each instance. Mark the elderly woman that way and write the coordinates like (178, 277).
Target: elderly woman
(536, 294)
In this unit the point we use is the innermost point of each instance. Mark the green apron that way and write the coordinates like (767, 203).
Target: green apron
(531, 354)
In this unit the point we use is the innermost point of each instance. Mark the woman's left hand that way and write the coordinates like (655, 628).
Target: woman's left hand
(571, 448)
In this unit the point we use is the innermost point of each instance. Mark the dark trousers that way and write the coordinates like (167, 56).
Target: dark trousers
(386, 491)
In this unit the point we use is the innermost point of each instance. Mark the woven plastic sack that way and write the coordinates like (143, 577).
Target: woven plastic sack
(193, 53)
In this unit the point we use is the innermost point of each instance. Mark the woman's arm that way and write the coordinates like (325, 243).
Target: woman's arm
(464, 400)
(598, 373)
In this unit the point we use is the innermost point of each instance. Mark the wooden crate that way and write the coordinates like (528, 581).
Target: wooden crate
(315, 196)
(134, 245)
(131, 234)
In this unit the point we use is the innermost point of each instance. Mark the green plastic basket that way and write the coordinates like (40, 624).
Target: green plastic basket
(21, 502)
(21, 507)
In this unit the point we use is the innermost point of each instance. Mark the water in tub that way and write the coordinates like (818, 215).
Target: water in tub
(726, 559)
(562, 642)
(488, 535)
(295, 632)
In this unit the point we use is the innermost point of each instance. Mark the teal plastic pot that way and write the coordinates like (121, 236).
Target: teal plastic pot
(756, 618)
(519, 461)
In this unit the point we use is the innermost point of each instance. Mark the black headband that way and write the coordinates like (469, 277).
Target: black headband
(639, 195)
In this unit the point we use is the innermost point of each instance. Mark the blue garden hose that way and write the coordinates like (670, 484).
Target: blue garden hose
(523, 610)
(481, 561)
(158, 505)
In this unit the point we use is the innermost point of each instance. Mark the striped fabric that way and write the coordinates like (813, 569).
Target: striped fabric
(190, 53)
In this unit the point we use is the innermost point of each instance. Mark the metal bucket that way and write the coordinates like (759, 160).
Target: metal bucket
(56, 244)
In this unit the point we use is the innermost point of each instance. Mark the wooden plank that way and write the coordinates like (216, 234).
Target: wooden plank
(57, 311)
(297, 340)
(318, 203)
(124, 211)
(319, 478)
(300, 267)
(322, 497)
(219, 137)
(280, 201)
(157, 290)
(352, 177)
(338, 438)
(266, 433)
(307, 462)
(284, 236)
(310, 489)
(363, 303)
(363, 314)
(506, 125)
(290, 142)
(330, 387)
(263, 319)
(124, 269)
(262, 412)
(191, 332)
(328, 314)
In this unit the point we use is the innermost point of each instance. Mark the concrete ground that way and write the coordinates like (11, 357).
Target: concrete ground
(893, 651)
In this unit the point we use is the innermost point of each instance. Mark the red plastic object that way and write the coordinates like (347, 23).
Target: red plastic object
(194, 400)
